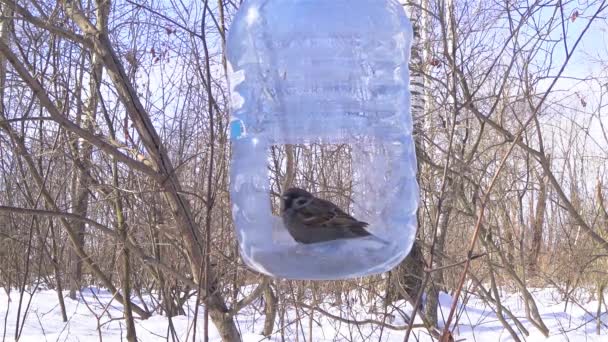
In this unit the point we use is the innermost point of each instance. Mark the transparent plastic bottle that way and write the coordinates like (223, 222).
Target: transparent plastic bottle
(329, 72)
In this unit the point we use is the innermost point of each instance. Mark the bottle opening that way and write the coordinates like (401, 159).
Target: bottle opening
(311, 189)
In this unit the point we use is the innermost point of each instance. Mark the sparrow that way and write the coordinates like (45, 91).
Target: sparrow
(310, 219)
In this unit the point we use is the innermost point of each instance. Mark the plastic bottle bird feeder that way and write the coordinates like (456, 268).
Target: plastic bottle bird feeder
(335, 72)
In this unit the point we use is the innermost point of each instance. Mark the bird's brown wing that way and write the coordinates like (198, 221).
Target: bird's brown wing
(324, 214)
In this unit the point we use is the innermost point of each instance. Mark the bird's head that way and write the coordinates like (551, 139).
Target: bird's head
(295, 198)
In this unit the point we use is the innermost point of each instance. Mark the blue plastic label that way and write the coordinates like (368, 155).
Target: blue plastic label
(237, 129)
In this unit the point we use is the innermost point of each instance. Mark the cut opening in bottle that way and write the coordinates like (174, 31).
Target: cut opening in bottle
(370, 180)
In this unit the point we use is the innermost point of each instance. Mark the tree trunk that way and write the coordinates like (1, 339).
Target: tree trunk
(80, 200)
(600, 300)
(126, 266)
(435, 286)
(270, 310)
(406, 279)
(57, 271)
(537, 227)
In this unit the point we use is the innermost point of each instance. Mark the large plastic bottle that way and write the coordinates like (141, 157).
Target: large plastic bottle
(335, 72)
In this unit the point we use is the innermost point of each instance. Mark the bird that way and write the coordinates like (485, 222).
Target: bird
(312, 220)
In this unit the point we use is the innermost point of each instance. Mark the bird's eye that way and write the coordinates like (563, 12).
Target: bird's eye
(301, 201)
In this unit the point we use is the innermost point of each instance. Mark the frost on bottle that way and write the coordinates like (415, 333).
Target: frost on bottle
(330, 80)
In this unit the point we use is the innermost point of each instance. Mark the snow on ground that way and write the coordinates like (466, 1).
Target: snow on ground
(478, 321)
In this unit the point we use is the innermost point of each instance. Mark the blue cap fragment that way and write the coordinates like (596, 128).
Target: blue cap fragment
(237, 129)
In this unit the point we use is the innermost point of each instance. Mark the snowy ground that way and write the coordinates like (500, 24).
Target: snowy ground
(477, 322)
